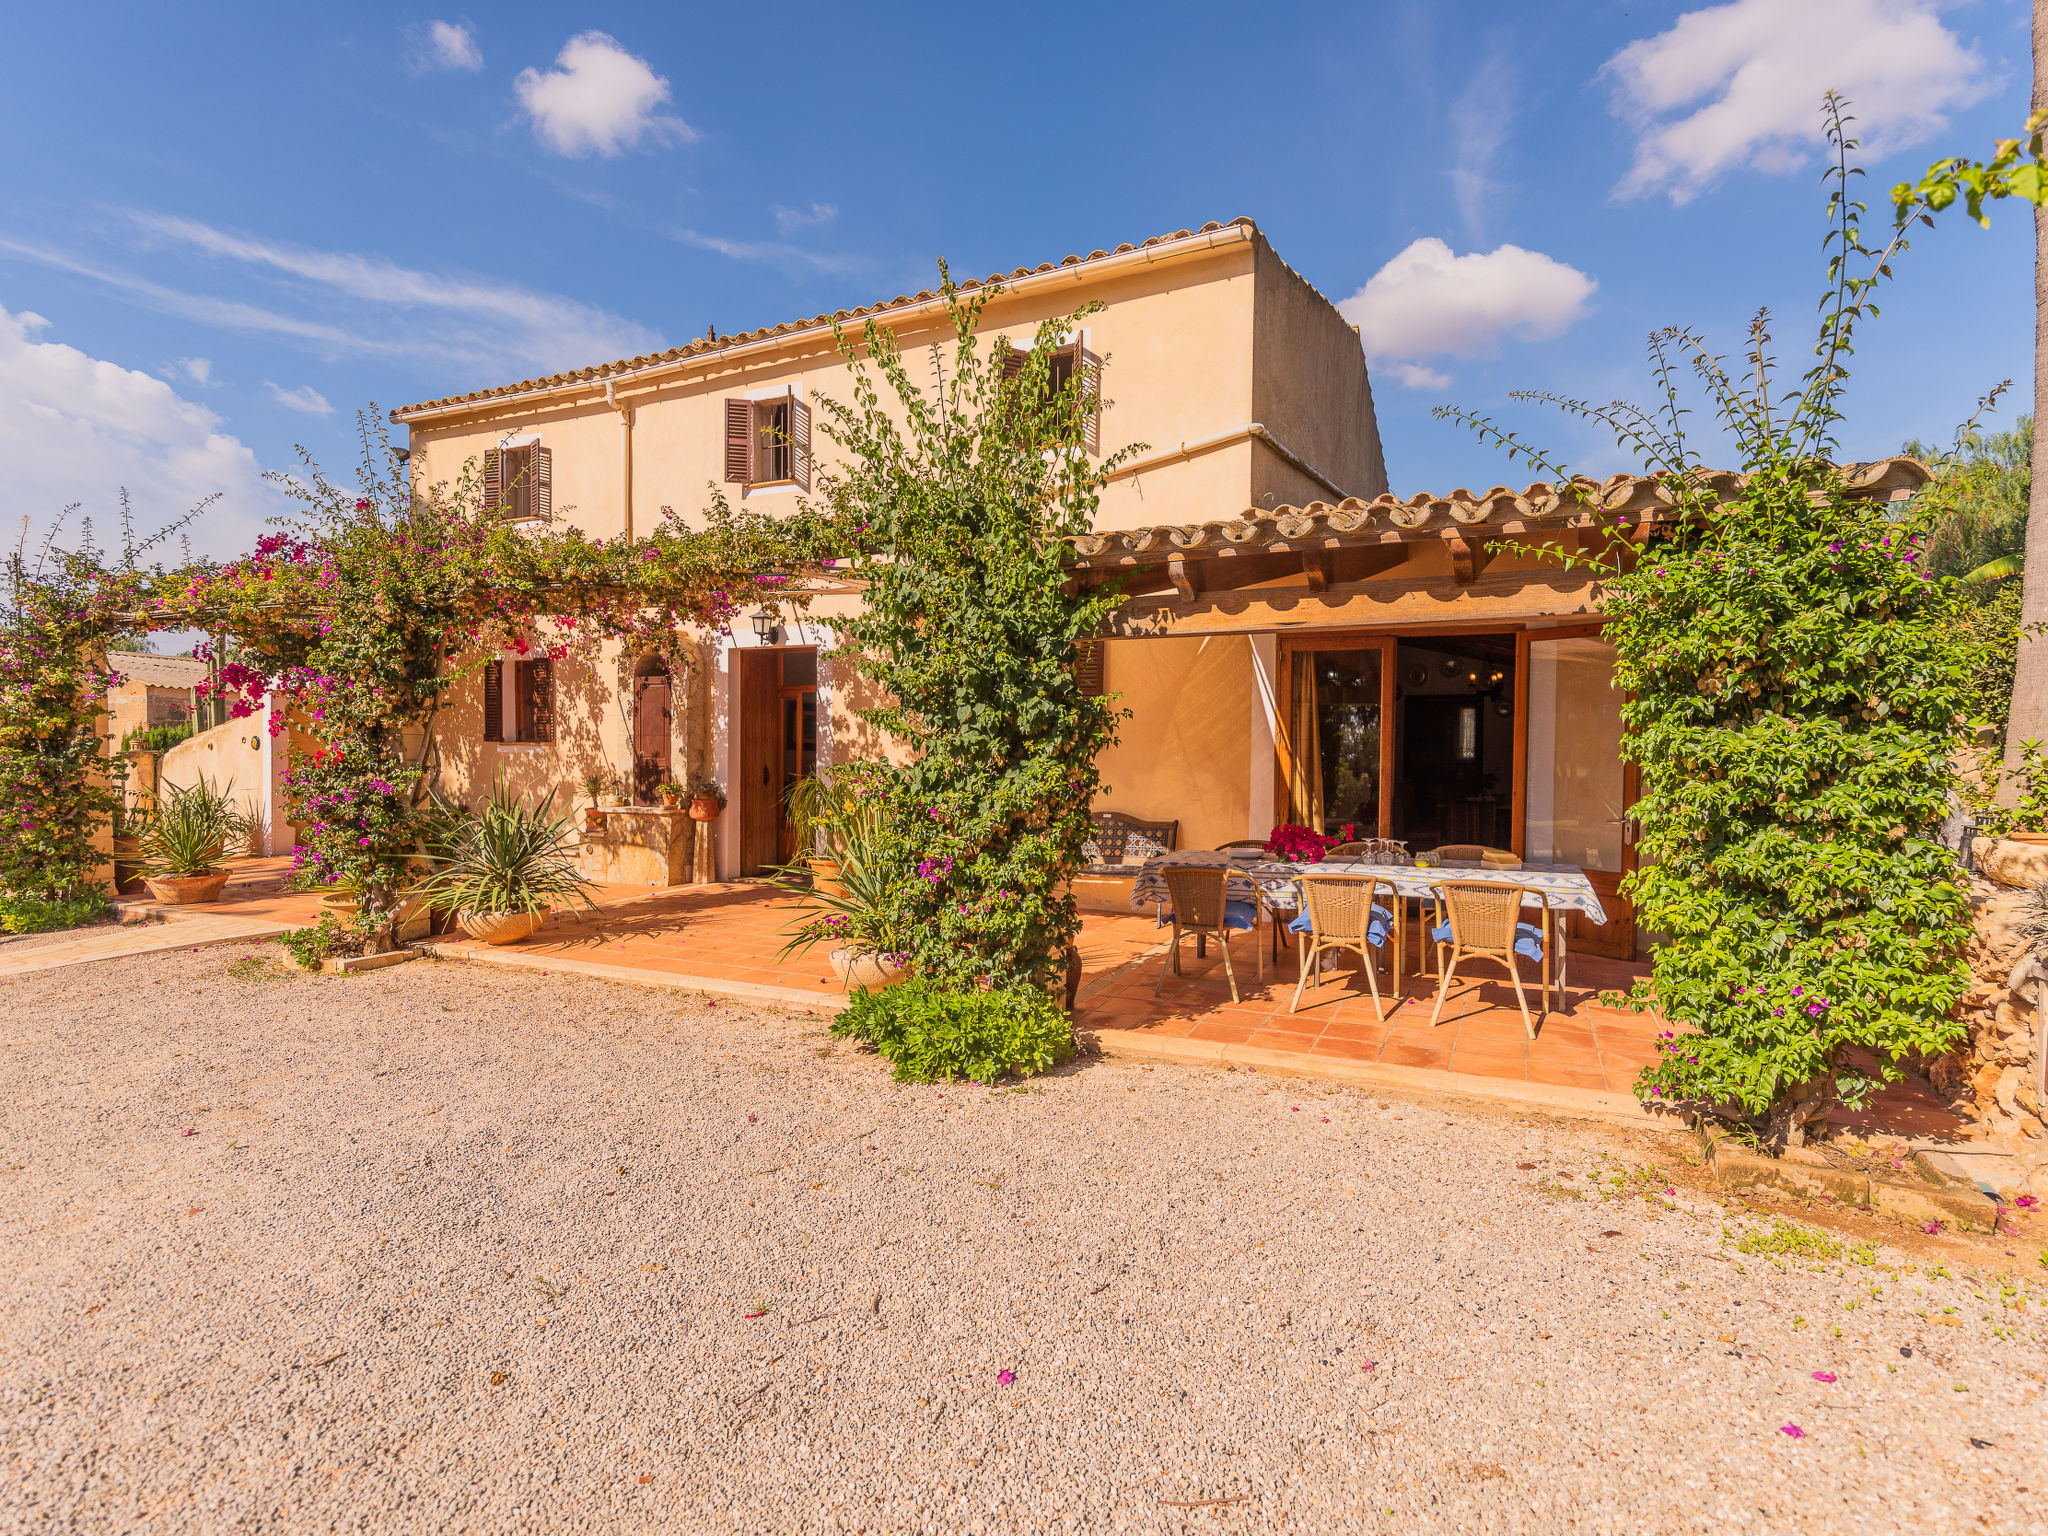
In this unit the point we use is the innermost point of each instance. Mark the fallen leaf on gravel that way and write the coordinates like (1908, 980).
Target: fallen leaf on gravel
(540, 1322)
(646, 1477)
(497, 1377)
(1727, 1338)
(650, 1268)
(1610, 1234)
(193, 1212)
(1525, 1165)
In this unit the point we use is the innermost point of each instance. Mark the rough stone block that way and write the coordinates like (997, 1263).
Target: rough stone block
(2013, 865)
(1967, 1210)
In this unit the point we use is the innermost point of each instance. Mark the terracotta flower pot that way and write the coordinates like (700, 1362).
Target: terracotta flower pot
(865, 970)
(670, 798)
(502, 927)
(593, 820)
(825, 877)
(704, 808)
(186, 890)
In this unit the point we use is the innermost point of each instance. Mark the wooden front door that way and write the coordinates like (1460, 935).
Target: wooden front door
(758, 794)
(652, 729)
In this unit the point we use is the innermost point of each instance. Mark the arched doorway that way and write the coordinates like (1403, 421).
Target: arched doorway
(653, 718)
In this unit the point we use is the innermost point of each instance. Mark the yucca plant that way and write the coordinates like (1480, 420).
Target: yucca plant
(195, 827)
(513, 857)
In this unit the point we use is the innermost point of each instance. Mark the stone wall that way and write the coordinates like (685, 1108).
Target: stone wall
(1995, 1079)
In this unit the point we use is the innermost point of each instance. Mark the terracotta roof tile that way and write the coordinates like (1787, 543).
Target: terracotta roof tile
(1424, 515)
(703, 346)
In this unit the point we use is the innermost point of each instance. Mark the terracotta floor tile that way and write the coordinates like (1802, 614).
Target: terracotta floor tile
(1227, 1034)
(1566, 1076)
(1414, 1056)
(1349, 1050)
(1281, 1040)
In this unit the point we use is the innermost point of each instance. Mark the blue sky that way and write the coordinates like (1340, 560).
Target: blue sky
(223, 228)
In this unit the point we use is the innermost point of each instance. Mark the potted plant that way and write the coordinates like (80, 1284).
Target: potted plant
(594, 785)
(671, 792)
(856, 915)
(131, 825)
(506, 870)
(821, 811)
(185, 843)
(707, 797)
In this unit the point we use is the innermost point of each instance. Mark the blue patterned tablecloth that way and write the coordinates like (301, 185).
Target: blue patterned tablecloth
(1565, 884)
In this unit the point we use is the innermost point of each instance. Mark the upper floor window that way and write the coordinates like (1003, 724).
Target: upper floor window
(768, 441)
(1070, 367)
(519, 482)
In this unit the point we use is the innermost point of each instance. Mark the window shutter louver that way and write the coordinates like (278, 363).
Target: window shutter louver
(494, 482)
(799, 442)
(1089, 379)
(540, 693)
(494, 698)
(1013, 363)
(1088, 667)
(739, 441)
(540, 467)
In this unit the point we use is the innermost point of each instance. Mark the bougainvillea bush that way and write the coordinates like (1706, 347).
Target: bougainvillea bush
(964, 493)
(1795, 694)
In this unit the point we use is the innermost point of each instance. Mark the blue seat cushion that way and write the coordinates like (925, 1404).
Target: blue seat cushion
(1528, 939)
(1236, 914)
(1377, 927)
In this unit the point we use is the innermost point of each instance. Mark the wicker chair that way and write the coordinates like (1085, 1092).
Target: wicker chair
(1341, 912)
(1482, 920)
(1469, 853)
(1201, 908)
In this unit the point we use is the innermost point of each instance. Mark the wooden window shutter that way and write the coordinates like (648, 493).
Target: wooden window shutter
(1088, 380)
(1088, 668)
(494, 482)
(799, 442)
(739, 441)
(536, 682)
(494, 698)
(540, 470)
(1013, 363)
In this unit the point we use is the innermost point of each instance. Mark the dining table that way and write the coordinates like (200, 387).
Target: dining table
(1273, 884)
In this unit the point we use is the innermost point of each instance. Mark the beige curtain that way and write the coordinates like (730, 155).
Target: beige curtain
(1305, 792)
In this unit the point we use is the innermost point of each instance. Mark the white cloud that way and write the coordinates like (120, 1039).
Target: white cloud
(790, 258)
(1741, 84)
(1480, 120)
(600, 100)
(1416, 376)
(305, 399)
(198, 369)
(75, 428)
(442, 45)
(1428, 302)
(789, 220)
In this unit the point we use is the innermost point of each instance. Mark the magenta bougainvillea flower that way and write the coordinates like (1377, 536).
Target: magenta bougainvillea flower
(1006, 1377)
(1826, 1376)
(1793, 1430)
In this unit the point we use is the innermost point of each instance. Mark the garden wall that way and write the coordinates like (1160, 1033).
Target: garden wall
(1995, 1079)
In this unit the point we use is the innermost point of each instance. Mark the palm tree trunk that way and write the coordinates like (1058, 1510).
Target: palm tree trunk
(2030, 677)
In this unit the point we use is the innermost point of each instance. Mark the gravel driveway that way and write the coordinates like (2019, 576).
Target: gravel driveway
(443, 1248)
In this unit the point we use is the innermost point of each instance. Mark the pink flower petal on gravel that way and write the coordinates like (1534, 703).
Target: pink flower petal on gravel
(188, 1133)
(753, 1119)
(1793, 1430)
(1368, 1365)
(1826, 1376)
(1006, 1377)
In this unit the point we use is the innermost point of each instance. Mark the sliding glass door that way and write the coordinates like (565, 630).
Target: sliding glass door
(1576, 788)
(1337, 747)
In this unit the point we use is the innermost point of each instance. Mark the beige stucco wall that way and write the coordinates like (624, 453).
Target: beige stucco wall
(1309, 387)
(1186, 752)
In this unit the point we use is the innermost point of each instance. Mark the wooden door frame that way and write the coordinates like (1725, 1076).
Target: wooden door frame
(1382, 641)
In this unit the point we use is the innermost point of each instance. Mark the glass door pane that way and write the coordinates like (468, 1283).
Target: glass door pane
(1576, 796)
(1336, 718)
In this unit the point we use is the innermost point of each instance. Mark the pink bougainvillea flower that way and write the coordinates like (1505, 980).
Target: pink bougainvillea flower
(1006, 1377)
(1933, 1226)
(753, 1119)
(1793, 1430)
(1368, 1365)
(2026, 1202)
(1294, 1109)
(1826, 1376)
(188, 1133)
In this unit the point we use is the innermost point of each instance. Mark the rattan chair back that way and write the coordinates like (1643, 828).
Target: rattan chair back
(1196, 896)
(1482, 914)
(1339, 906)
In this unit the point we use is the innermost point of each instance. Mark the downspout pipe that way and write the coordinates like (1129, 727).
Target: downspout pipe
(1251, 429)
(625, 459)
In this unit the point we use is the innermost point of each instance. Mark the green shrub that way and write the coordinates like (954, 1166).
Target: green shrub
(39, 914)
(324, 940)
(934, 1035)
(156, 738)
